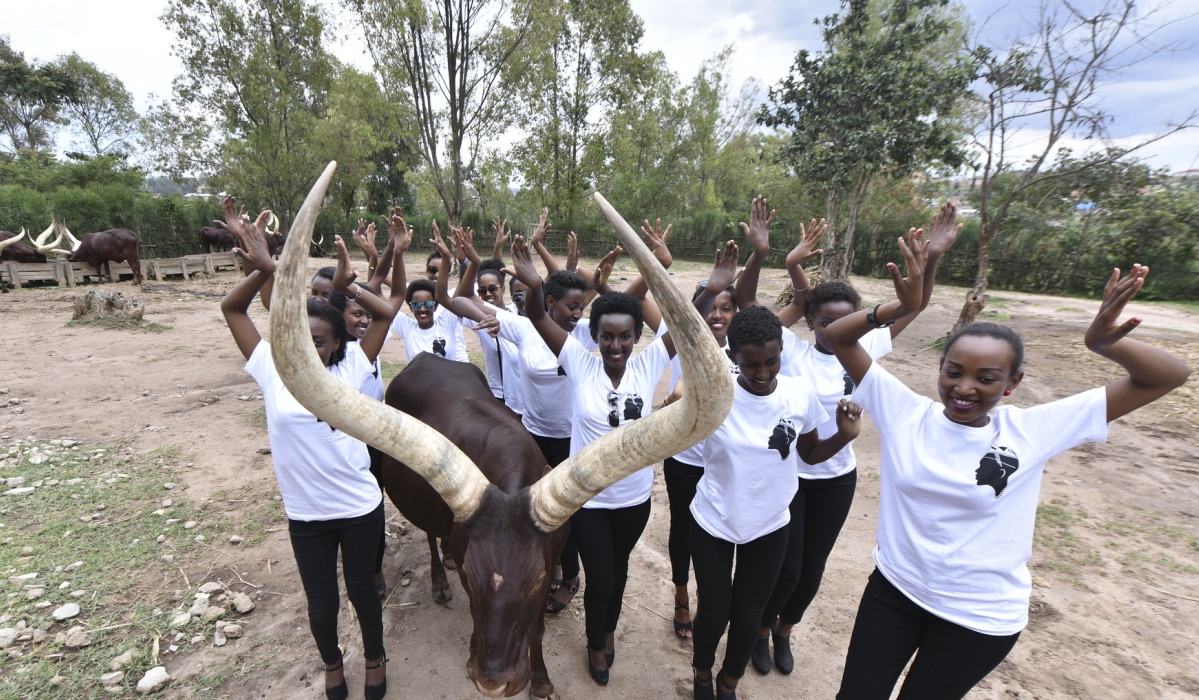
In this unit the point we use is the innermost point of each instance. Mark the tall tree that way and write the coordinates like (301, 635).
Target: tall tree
(31, 98)
(448, 65)
(880, 99)
(1050, 80)
(102, 112)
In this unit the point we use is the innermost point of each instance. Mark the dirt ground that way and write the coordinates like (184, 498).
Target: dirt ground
(1115, 613)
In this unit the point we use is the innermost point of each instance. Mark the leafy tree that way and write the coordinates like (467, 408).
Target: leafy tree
(31, 96)
(880, 99)
(101, 111)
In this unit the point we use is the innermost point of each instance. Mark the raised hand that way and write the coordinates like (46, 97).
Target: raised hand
(542, 227)
(523, 264)
(943, 230)
(344, 276)
(501, 234)
(491, 324)
(1106, 329)
(364, 238)
(808, 238)
(849, 416)
(233, 223)
(724, 272)
(757, 231)
(254, 251)
(910, 290)
(604, 269)
(442, 249)
(462, 243)
(656, 238)
(572, 252)
(397, 229)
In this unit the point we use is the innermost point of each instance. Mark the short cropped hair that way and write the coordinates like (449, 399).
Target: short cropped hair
(756, 325)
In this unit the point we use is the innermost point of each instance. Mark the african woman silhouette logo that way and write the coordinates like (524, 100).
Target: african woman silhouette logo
(782, 437)
(995, 467)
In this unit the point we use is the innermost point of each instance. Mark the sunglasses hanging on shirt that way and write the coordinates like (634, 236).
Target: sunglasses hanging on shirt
(613, 415)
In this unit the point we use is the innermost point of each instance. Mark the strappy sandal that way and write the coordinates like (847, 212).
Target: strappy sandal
(339, 692)
(376, 692)
(685, 630)
(702, 690)
(554, 606)
(721, 693)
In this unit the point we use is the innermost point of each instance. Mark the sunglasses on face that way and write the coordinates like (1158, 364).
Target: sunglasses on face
(432, 270)
(518, 297)
(613, 416)
(422, 305)
(489, 289)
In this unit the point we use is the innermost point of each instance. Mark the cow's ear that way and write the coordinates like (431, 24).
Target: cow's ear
(548, 469)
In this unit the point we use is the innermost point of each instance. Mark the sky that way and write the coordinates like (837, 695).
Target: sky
(133, 45)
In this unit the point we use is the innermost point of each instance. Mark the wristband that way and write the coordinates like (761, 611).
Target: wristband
(872, 321)
(797, 290)
(359, 294)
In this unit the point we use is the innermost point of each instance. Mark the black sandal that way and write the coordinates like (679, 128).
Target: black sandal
(376, 692)
(685, 630)
(700, 689)
(554, 606)
(338, 692)
(721, 693)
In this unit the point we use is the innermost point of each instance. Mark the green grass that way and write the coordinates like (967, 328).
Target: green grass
(1071, 309)
(994, 315)
(1053, 533)
(121, 323)
(123, 574)
(388, 369)
(258, 417)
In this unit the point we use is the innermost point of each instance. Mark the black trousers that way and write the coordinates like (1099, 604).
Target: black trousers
(890, 628)
(377, 472)
(606, 537)
(556, 450)
(315, 544)
(732, 598)
(681, 480)
(818, 513)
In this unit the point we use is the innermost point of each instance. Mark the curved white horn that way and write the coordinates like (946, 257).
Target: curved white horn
(44, 235)
(275, 220)
(321, 241)
(664, 432)
(57, 226)
(71, 239)
(424, 450)
(9, 241)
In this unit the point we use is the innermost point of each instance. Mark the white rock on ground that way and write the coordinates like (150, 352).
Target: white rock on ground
(112, 678)
(73, 566)
(122, 661)
(155, 679)
(213, 613)
(22, 579)
(22, 491)
(65, 612)
(243, 603)
(181, 619)
(232, 631)
(210, 587)
(76, 637)
(8, 635)
(218, 637)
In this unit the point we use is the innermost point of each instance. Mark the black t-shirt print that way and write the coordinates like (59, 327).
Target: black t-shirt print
(782, 437)
(632, 407)
(849, 385)
(439, 346)
(996, 467)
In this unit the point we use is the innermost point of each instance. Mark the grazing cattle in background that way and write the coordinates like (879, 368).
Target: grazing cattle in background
(219, 239)
(481, 467)
(11, 248)
(105, 247)
(317, 250)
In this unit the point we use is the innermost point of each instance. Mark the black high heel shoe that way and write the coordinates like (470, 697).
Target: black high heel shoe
(600, 677)
(721, 693)
(761, 655)
(701, 689)
(376, 692)
(340, 692)
(783, 658)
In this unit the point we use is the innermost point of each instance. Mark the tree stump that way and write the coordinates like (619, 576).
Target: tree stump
(98, 303)
(784, 298)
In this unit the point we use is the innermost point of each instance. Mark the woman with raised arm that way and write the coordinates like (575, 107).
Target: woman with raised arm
(959, 486)
(609, 391)
(826, 490)
(332, 500)
(431, 328)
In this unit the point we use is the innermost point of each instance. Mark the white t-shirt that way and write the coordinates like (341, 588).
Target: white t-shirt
(957, 504)
(832, 383)
(443, 338)
(372, 386)
(323, 473)
(694, 456)
(546, 391)
(503, 379)
(595, 400)
(749, 462)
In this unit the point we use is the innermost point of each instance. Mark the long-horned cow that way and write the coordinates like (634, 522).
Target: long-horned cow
(11, 247)
(508, 510)
(213, 238)
(105, 247)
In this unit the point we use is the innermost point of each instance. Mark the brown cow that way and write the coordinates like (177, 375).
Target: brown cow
(11, 248)
(506, 531)
(105, 247)
(216, 238)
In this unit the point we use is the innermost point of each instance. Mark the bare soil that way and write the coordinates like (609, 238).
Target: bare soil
(1115, 613)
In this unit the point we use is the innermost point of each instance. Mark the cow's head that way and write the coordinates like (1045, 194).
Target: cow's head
(504, 525)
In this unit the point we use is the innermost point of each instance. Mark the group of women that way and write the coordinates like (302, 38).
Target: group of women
(755, 508)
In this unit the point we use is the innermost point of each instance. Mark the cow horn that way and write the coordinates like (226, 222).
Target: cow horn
(56, 226)
(41, 239)
(321, 241)
(9, 241)
(664, 432)
(274, 220)
(424, 450)
(70, 237)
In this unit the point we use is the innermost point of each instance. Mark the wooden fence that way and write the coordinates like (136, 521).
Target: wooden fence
(69, 273)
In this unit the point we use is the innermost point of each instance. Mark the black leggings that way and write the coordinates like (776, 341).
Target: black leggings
(377, 472)
(315, 544)
(681, 480)
(890, 628)
(818, 512)
(606, 537)
(555, 451)
(732, 597)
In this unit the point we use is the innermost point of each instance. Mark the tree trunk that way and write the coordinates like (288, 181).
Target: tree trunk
(828, 262)
(843, 262)
(976, 298)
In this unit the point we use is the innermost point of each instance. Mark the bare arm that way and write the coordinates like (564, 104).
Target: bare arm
(501, 237)
(236, 304)
(381, 312)
(466, 281)
(535, 240)
(380, 271)
(399, 276)
(800, 284)
(443, 277)
(757, 232)
(813, 450)
(656, 238)
(550, 332)
(942, 232)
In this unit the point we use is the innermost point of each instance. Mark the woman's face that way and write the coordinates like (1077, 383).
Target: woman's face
(433, 268)
(519, 292)
(822, 317)
(974, 375)
(567, 311)
(721, 315)
(321, 286)
(357, 318)
(759, 365)
(491, 289)
(323, 338)
(616, 336)
(423, 306)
